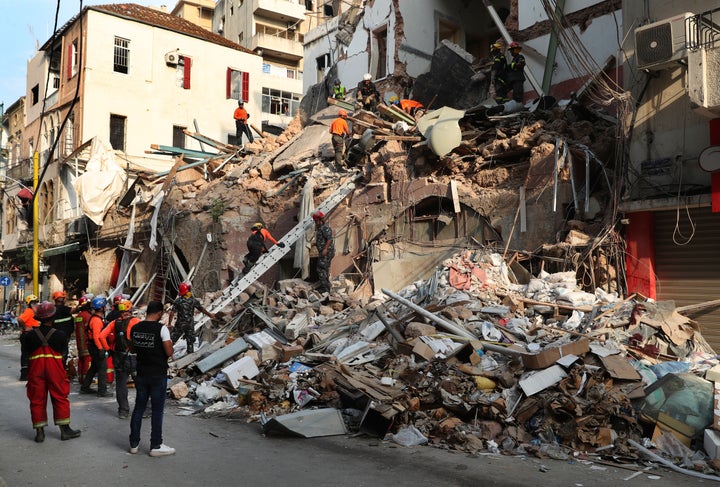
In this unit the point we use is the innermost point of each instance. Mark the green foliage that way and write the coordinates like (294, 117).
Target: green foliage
(217, 209)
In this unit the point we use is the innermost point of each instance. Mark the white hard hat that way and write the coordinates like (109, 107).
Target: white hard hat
(367, 76)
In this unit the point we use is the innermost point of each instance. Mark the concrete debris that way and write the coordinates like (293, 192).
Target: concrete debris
(564, 370)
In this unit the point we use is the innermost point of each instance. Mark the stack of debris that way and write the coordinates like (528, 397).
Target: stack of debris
(468, 360)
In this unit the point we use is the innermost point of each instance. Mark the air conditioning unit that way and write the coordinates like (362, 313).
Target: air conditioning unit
(704, 82)
(172, 58)
(661, 44)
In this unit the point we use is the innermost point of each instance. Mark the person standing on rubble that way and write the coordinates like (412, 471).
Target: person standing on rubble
(516, 72)
(184, 306)
(325, 248)
(27, 322)
(367, 93)
(499, 72)
(150, 340)
(241, 117)
(117, 334)
(44, 346)
(338, 90)
(339, 130)
(98, 349)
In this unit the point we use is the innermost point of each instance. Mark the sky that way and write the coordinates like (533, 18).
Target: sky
(27, 24)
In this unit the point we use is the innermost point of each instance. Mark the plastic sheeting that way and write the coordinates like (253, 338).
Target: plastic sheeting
(102, 182)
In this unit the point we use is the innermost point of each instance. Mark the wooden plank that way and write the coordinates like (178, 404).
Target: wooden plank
(212, 142)
(455, 197)
(341, 104)
(403, 138)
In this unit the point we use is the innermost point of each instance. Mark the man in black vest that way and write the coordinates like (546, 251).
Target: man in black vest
(150, 340)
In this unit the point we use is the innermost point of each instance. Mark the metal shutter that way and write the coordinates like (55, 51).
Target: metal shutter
(690, 274)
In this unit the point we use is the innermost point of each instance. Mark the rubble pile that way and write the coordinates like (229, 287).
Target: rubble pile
(468, 360)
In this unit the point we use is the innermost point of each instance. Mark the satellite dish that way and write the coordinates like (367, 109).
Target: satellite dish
(709, 159)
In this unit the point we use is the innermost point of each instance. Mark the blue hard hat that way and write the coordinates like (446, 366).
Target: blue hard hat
(98, 303)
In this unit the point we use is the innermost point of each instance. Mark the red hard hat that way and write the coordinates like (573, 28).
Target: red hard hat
(117, 299)
(514, 45)
(318, 215)
(59, 294)
(45, 311)
(84, 299)
(184, 288)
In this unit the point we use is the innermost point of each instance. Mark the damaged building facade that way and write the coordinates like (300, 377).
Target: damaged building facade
(122, 79)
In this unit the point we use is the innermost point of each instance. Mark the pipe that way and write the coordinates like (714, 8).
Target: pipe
(506, 35)
(457, 330)
(380, 312)
(552, 47)
(671, 465)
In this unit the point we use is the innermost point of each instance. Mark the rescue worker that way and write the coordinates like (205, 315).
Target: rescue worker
(44, 346)
(241, 117)
(117, 334)
(338, 90)
(257, 245)
(407, 105)
(185, 306)
(339, 130)
(27, 322)
(367, 93)
(82, 318)
(325, 248)
(516, 72)
(114, 313)
(63, 320)
(98, 349)
(498, 71)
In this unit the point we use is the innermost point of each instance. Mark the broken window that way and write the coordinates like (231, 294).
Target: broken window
(121, 57)
(35, 94)
(328, 10)
(179, 136)
(309, 5)
(237, 85)
(378, 56)
(322, 63)
(277, 102)
(117, 131)
(450, 31)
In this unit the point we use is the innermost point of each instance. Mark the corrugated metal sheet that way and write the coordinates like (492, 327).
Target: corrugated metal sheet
(690, 273)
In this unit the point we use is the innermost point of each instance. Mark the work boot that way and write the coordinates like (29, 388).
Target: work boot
(39, 434)
(67, 433)
(87, 390)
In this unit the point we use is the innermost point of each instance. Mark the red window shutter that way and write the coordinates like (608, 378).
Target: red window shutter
(186, 72)
(245, 85)
(228, 83)
(69, 60)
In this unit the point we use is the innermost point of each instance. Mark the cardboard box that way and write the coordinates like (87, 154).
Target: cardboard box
(549, 356)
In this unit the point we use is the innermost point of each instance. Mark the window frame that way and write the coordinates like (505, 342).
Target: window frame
(121, 55)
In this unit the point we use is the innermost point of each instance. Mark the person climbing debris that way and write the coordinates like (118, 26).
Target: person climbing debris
(325, 248)
(257, 245)
(367, 93)
(339, 130)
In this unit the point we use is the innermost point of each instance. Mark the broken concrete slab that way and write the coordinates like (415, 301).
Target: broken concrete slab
(309, 144)
(307, 424)
(245, 368)
(227, 352)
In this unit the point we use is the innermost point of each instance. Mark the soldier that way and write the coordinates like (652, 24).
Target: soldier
(326, 250)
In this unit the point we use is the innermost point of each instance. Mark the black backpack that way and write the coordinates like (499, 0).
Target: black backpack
(256, 245)
(121, 338)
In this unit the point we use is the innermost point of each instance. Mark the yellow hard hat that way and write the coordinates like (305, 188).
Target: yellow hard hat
(30, 298)
(257, 225)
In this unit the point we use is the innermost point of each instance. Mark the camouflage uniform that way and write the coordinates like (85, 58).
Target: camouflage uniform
(185, 308)
(322, 235)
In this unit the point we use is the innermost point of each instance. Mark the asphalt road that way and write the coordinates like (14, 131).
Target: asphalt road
(217, 451)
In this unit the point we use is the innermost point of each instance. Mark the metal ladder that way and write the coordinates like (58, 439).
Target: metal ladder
(275, 253)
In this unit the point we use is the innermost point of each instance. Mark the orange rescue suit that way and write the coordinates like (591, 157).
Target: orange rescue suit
(240, 114)
(339, 127)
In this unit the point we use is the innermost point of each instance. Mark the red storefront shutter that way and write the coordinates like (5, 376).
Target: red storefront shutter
(245, 86)
(228, 83)
(186, 72)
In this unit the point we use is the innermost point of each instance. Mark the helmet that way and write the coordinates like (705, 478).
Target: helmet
(184, 288)
(30, 298)
(514, 45)
(495, 45)
(337, 81)
(45, 311)
(318, 215)
(343, 113)
(257, 226)
(117, 299)
(124, 305)
(98, 302)
(59, 294)
(84, 299)
(367, 76)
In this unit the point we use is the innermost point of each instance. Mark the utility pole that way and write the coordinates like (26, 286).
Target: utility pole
(36, 230)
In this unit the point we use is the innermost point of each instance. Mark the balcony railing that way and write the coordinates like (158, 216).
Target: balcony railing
(291, 10)
(288, 48)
